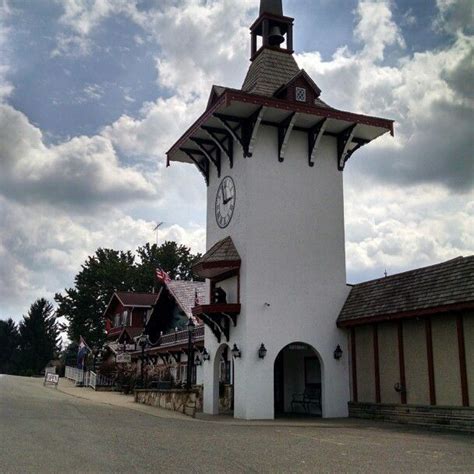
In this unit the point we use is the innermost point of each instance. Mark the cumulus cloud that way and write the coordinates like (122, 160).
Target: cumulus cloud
(429, 95)
(6, 87)
(83, 171)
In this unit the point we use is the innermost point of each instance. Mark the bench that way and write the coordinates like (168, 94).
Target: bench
(310, 397)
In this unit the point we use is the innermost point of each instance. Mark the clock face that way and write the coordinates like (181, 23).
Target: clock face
(225, 202)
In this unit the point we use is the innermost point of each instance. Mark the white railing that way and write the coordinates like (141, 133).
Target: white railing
(75, 374)
(98, 380)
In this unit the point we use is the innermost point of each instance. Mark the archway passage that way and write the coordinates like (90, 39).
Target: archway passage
(298, 381)
(224, 375)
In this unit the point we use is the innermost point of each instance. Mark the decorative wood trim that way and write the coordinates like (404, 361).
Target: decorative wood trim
(231, 95)
(376, 363)
(223, 139)
(354, 365)
(344, 140)
(462, 360)
(429, 354)
(202, 165)
(401, 359)
(284, 132)
(210, 151)
(407, 314)
(314, 138)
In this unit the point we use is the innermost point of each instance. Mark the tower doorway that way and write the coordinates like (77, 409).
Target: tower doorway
(224, 373)
(297, 381)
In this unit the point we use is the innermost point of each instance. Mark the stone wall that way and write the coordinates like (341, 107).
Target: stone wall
(452, 418)
(182, 401)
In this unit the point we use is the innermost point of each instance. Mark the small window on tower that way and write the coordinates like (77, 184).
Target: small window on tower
(300, 94)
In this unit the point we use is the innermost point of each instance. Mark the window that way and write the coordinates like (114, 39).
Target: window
(300, 94)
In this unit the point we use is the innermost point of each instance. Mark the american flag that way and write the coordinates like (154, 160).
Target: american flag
(161, 275)
(82, 351)
(196, 298)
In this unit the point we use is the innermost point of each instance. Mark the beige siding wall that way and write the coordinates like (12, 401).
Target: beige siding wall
(469, 344)
(416, 362)
(365, 364)
(388, 362)
(446, 361)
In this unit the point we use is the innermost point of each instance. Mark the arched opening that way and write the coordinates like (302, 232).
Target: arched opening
(298, 381)
(224, 375)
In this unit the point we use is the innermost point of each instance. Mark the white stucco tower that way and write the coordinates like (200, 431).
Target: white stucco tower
(272, 155)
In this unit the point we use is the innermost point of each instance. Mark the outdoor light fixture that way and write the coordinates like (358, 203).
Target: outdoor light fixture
(338, 352)
(236, 352)
(205, 354)
(262, 351)
(197, 360)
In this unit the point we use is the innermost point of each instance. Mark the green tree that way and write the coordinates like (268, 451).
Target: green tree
(39, 337)
(83, 306)
(9, 347)
(175, 259)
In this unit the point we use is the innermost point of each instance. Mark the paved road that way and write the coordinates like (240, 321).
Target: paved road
(45, 430)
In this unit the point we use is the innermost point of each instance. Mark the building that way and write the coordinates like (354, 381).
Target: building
(272, 156)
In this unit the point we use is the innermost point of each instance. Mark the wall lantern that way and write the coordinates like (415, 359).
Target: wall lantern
(205, 354)
(236, 352)
(262, 351)
(197, 360)
(338, 352)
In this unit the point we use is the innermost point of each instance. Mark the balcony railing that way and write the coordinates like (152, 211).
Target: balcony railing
(180, 337)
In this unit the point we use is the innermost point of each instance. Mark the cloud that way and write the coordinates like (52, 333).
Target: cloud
(429, 94)
(455, 16)
(81, 172)
(6, 88)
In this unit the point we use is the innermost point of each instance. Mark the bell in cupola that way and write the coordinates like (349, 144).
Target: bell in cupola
(275, 38)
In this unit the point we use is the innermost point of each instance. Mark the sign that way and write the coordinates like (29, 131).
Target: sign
(51, 379)
(123, 358)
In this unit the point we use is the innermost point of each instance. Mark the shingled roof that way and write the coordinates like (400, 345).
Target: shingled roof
(184, 294)
(438, 288)
(221, 258)
(269, 71)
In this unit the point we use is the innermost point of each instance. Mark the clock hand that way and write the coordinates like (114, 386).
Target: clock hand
(228, 200)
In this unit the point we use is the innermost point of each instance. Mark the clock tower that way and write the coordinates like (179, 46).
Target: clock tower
(272, 155)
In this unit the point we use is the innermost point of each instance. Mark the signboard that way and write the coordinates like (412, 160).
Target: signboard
(51, 379)
(123, 358)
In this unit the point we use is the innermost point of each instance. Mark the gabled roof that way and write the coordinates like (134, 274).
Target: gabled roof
(221, 258)
(137, 300)
(269, 71)
(302, 73)
(184, 294)
(434, 289)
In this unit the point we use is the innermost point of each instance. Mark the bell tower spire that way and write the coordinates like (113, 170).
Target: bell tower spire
(271, 6)
(272, 28)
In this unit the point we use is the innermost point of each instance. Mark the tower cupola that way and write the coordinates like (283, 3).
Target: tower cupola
(272, 28)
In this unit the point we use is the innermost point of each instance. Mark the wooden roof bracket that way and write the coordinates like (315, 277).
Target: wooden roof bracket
(255, 125)
(314, 138)
(176, 356)
(243, 130)
(211, 151)
(214, 327)
(344, 139)
(202, 165)
(284, 131)
(223, 139)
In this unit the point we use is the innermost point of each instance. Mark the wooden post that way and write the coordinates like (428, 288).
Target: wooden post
(376, 363)
(429, 351)
(354, 366)
(401, 359)
(462, 360)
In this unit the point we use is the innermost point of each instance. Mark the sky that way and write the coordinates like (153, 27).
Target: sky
(93, 93)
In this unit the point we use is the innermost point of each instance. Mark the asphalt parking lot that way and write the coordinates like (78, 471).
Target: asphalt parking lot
(46, 430)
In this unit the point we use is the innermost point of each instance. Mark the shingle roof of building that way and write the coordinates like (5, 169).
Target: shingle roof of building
(442, 285)
(137, 299)
(184, 294)
(269, 71)
(222, 251)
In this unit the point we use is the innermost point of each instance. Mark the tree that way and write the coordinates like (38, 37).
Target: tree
(39, 337)
(83, 306)
(9, 347)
